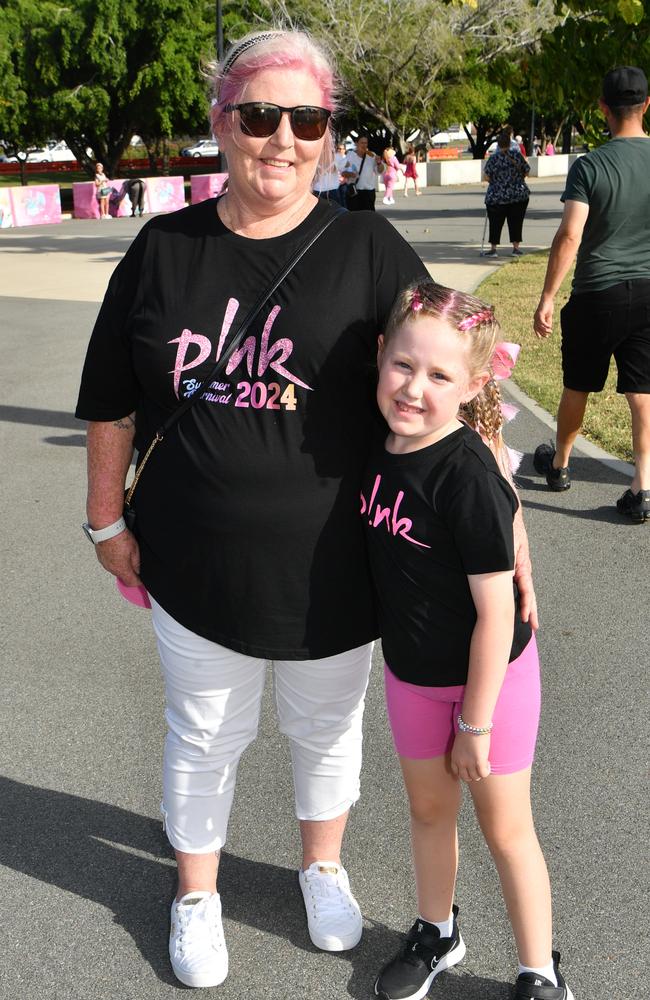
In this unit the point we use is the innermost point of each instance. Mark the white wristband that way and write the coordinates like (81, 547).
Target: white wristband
(103, 534)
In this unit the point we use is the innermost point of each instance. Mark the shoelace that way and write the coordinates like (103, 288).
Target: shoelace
(328, 893)
(199, 927)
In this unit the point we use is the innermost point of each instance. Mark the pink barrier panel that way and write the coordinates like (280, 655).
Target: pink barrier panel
(162, 194)
(6, 215)
(165, 194)
(32, 205)
(204, 186)
(85, 204)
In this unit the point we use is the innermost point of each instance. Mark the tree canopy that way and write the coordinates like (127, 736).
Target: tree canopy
(93, 74)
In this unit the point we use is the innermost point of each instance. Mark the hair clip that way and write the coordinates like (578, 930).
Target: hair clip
(478, 317)
(416, 302)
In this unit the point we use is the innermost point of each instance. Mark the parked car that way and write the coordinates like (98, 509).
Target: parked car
(204, 147)
(54, 152)
(60, 152)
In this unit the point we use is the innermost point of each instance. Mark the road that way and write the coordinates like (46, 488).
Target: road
(85, 872)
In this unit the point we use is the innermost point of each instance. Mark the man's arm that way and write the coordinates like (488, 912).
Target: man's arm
(563, 251)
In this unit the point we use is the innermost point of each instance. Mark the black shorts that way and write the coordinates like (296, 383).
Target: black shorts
(597, 325)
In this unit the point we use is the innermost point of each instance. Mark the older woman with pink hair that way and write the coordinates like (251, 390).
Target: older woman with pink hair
(248, 539)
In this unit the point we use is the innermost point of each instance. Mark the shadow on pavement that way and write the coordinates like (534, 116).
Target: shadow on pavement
(583, 470)
(122, 861)
(39, 418)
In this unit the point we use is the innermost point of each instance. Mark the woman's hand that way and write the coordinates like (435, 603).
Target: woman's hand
(121, 557)
(469, 756)
(524, 574)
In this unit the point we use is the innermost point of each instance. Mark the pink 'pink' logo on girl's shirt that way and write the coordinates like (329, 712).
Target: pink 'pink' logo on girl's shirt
(395, 525)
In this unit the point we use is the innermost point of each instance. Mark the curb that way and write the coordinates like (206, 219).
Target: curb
(586, 447)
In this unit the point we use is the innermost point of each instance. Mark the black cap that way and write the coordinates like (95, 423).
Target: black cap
(624, 87)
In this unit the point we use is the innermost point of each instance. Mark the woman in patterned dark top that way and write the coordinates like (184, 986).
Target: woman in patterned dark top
(507, 195)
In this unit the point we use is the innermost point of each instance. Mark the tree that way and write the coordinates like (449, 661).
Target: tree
(17, 131)
(94, 74)
(474, 98)
(398, 58)
(574, 57)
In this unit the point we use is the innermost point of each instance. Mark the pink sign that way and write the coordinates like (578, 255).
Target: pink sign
(165, 194)
(204, 186)
(35, 204)
(86, 204)
(6, 215)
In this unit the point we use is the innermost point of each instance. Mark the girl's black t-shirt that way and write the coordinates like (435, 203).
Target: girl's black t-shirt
(248, 510)
(432, 518)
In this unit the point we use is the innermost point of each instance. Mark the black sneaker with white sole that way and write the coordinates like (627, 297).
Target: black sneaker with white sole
(557, 480)
(410, 974)
(532, 987)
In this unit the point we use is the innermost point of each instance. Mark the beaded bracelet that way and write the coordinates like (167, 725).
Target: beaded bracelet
(474, 730)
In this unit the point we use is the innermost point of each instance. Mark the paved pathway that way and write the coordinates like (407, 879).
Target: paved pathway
(85, 873)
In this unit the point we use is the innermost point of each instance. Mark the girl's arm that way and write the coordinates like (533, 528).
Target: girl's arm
(109, 451)
(488, 661)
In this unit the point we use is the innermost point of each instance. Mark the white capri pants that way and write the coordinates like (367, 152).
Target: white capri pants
(213, 708)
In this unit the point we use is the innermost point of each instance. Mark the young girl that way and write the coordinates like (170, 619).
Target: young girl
(462, 675)
(391, 173)
(103, 191)
(410, 172)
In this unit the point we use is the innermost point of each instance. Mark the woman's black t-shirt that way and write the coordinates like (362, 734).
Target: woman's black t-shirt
(433, 517)
(247, 511)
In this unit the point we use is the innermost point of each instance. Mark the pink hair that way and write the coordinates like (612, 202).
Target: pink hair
(280, 50)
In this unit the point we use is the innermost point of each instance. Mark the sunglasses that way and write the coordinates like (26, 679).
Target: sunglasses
(261, 120)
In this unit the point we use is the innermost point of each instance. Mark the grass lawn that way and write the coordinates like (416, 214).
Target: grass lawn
(514, 290)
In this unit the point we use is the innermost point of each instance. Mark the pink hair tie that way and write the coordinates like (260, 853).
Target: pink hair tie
(474, 320)
(416, 302)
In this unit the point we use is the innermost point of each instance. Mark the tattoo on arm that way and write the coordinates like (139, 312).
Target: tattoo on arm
(125, 423)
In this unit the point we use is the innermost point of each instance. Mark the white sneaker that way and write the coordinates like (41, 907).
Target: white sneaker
(333, 915)
(197, 948)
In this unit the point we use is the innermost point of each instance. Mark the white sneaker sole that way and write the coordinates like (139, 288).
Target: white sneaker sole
(452, 957)
(201, 980)
(330, 942)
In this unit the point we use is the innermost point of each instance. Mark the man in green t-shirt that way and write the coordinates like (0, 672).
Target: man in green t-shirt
(606, 221)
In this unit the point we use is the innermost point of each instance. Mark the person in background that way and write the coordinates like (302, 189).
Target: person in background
(410, 170)
(361, 170)
(606, 222)
(507, 194)
(135, 189)
(521, 144)
(549, 149)
(391, 173)
(326, 182)
(103, 191)
(461, 666)
(340, 158)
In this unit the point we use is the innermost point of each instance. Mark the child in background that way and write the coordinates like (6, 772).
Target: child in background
(391, 173)
(462, 674)
(103, 190)
(411, 170)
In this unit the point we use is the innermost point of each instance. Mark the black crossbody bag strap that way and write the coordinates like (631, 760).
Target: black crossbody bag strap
(187, 404)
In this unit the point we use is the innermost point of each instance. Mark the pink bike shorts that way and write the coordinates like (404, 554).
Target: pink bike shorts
(423, 719)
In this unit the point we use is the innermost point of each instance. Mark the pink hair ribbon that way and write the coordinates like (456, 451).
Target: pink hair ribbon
(504, 359)
(416, 302)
